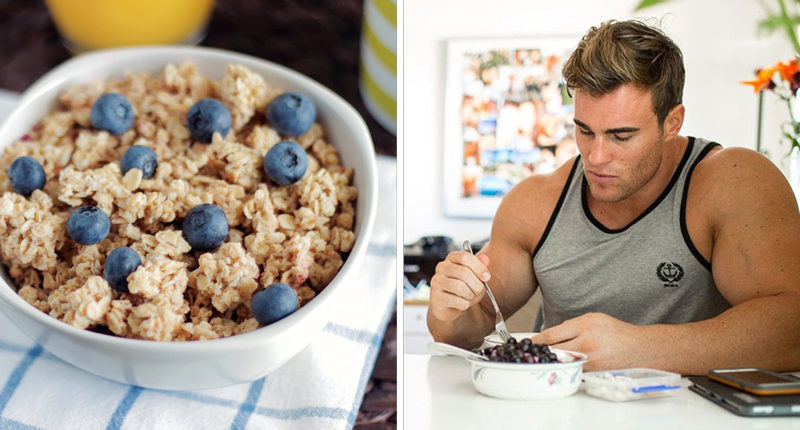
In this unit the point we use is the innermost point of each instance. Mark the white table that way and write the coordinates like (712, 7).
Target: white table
(416, 336)
(438, 394)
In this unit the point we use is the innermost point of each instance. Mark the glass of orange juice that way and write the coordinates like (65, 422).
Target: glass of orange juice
(97, 24)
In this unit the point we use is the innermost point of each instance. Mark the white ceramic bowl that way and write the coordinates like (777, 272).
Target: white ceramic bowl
(211, 363)
(526, 381)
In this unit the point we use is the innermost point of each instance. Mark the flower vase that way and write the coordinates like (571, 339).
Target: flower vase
(793, 159)
(794, 108)
(793, 171)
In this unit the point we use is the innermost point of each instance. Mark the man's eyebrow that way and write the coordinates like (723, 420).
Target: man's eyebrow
(610, 130)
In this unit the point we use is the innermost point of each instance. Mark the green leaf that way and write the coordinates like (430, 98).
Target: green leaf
(772, 23)
(647, 3)
(793, 141)
(791, 34)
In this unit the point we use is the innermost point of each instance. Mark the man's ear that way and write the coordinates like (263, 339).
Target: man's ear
(674, 121)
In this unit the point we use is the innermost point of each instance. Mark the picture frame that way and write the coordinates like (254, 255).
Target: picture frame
(507, 116)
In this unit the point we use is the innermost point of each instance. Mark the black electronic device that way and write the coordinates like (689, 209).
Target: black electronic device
(743, 403)
(756, 380)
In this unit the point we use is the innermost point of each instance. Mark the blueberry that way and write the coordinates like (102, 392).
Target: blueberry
(286, 162)
(88, 225)
(291, 114)
(112, 112)
(26, 175)
(139, 157)
(205, 227)
(273, 303)
(206, 117)
(120, 263)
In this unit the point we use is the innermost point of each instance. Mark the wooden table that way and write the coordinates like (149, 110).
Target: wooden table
(320, 39)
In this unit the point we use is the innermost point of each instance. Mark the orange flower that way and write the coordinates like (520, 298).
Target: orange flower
(787, 70)
(764, 77)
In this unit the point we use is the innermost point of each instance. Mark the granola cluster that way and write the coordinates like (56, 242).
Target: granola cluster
(297, 234)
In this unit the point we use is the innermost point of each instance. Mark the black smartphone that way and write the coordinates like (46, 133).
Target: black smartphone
(756, 380)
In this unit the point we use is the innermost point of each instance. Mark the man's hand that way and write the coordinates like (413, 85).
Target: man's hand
(460, 313)
(609, 342)
(457, 284)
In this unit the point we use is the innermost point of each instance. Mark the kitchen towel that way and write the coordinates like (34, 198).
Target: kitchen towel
(320, 388)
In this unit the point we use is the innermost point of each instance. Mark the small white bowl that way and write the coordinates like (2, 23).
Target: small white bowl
(527, 381)
(211, 363)
(524, 381)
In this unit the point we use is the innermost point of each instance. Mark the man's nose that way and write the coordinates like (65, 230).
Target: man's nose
(599, 152)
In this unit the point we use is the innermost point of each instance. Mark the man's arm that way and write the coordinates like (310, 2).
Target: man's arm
(756, 265)
(460, 313)
(746, 220)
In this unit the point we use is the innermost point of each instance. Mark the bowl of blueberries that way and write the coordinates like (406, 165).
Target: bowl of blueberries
(233, 326)
(522, 370)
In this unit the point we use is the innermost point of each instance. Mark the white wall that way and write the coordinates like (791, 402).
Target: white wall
(720, 48)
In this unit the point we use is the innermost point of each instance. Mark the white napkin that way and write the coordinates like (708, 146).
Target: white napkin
(320, 388)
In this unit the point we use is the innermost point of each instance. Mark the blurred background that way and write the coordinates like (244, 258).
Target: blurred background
(452, 191)
(321, 39)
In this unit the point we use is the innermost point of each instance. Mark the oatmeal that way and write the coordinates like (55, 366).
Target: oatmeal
(218, 224)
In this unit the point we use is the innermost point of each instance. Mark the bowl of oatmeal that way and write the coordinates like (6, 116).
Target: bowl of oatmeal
(180, 316)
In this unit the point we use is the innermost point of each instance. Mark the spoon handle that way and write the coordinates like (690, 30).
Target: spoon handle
(448, 349)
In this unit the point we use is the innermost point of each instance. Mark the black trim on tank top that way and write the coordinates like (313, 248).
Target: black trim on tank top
(561, 199)
(653, 206)
(684, 228)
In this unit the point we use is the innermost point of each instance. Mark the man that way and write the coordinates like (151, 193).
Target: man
(651, 249)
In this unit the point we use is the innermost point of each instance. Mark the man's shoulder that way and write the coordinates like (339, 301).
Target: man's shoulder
(720, 155)
(728, 168)
(732, 176)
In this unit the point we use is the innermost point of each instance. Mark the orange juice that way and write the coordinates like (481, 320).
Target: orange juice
(97, 24)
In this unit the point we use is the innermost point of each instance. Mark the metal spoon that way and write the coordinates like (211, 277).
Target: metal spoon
(499, 322)
(448, 349)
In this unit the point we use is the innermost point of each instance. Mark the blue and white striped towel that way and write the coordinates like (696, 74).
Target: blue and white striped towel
(320, 388)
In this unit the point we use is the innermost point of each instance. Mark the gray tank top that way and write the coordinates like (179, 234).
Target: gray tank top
(647, 272)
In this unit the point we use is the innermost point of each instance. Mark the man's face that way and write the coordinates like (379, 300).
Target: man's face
(619, 140)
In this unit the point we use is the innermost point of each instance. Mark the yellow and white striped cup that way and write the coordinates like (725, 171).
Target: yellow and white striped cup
(378, 68)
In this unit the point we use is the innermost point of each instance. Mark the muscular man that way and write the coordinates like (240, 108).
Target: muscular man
(651, 249)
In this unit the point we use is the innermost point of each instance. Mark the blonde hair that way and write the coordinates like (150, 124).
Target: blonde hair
(628, 52)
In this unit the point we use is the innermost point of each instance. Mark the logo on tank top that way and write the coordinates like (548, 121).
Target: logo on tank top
(670, 274)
